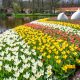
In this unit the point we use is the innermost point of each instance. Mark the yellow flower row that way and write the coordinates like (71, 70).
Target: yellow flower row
(67, 67)
(59, 51)
(76, 26)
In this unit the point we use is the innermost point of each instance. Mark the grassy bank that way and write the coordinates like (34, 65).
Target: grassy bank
(20, 15)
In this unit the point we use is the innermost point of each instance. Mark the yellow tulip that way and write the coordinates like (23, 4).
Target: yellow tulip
(44, 54)
(65, 56)
(64, 68)
(78, 61)
(67, 51)
(48, 56)
(63, 52)
(49, 51)
(58, 61)
(56, 57)
(56, 52)
(75, 53)
(34, 47)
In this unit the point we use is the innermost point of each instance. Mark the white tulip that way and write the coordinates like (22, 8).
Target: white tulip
(8, 68)
(8, 57)
(49, 67)
(27, 75)
(49, 73)
(25, 60)
(1, 58)
(15, 68)
(21, 70)
(34, 53)
(29, 58)
(37, 75)
(16, 74)
(40, 63)
(32, 78)
(33, 50)
(33, 60)
(17, 62)
(22, 57)
(41, 72)
(24, 46)
(1, 63)
(40, 57)
(22, 50)
(34, 69)
(0, 47)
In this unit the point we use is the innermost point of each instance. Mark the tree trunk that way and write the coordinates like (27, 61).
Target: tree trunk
(54, 10)
(42, 8)
(33, 6)
(29, 4)
(38, 9)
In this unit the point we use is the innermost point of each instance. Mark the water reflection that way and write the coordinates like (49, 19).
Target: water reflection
(11, 22)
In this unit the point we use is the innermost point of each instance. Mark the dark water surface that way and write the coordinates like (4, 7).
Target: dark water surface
(10, 22)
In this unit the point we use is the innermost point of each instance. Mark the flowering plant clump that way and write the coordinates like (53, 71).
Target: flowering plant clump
(61, 55)
(39, 50)
(18, 61)
(70, 37)
(76, 26)
(52, 25)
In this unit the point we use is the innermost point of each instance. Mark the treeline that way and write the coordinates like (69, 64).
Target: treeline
(38, 5)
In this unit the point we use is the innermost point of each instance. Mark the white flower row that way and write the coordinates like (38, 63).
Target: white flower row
(19, 61)
(67, 29)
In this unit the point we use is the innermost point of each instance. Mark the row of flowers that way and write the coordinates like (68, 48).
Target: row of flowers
(60, 54)
(35, 51)
(73, 38)
(76, 26)
(18, 61)
(54, 25)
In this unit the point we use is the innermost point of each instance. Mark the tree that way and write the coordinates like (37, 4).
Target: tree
(33, 7)
(16, 6)
(38, 7)
(7, 3)
(20, 2)
(42, 8)
(54, 5)
(29, 4)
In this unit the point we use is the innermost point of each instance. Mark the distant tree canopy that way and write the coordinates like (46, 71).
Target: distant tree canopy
(35, 5)
(16, 7)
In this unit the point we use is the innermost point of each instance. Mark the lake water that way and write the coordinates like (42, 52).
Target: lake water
(10, 22)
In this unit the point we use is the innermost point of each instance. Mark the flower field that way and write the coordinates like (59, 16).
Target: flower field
(40, 50)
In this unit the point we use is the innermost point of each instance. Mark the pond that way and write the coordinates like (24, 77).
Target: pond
(11, 22)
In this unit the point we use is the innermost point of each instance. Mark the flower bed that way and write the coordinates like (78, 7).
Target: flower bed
(61, 27)
(70, 37)
(57, 53)
(76, 26)
(35, 51)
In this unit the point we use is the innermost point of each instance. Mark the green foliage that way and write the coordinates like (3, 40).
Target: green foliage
(18, 15)
(16, 7)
